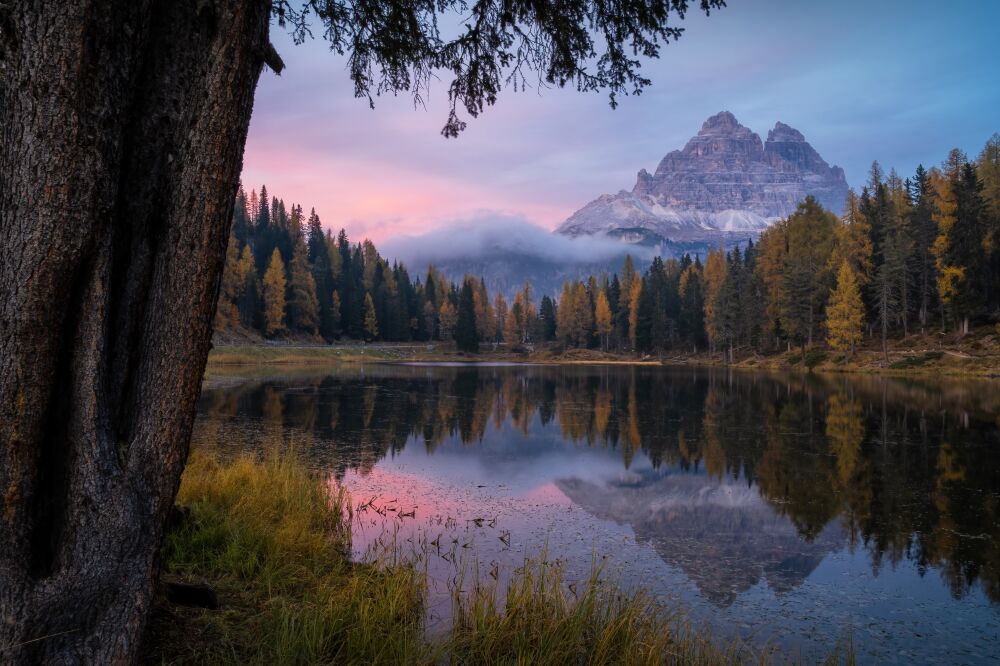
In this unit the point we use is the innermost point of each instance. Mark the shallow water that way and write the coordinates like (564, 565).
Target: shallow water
(790, 510)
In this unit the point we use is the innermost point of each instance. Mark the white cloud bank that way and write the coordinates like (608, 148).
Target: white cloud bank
(492, 235)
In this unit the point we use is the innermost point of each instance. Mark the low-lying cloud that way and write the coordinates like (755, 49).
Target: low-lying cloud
(491, 236)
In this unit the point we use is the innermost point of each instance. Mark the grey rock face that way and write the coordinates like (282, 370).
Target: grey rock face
(725, 182)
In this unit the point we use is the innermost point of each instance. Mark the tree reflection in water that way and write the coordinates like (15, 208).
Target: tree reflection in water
(753, 476)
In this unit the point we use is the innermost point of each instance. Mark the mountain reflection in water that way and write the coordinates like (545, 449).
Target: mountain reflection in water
(734, 479)
(723, 535)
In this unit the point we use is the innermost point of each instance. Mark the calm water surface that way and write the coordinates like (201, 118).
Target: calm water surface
(791, 510)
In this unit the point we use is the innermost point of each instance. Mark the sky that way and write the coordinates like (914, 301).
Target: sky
(900, 81)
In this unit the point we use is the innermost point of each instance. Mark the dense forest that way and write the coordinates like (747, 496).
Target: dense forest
(908, 255)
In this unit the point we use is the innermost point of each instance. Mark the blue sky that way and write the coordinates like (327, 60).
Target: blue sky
(900, 82)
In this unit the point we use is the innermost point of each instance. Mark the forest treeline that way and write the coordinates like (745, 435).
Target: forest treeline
(918, 253)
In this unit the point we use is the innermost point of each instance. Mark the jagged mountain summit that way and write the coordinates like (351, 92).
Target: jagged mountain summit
(725, 182)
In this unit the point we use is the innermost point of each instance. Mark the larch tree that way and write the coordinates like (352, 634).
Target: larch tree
(845, 313)
(583, 315)
(227, 314)
(303, 308)
(108, 287)
(512, 325)
(854, 243)
(274, 295)
(527, 314)
(371, 320)
(602, 319)
(715, 275)
(566, 314)
(447, 318)
(249, 299)
(500, 308)
(628, 275)
(485, 317)
(635, 295)
(958, 248)
(771, 249)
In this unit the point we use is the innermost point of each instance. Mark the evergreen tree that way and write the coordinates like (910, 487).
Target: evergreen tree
(807, 273)
(958, 248)
(653, 329)
(303, 309)
(323, 277)
(988, 169)
(242, 222)
(619, 322)
(466, 336)
(845, 313)
(274, 295)
(264, 243)
(924, 230)
(547, 313)
(692, 319)
(335, 313)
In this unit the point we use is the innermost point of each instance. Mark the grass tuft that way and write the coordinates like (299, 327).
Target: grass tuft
(273, 539)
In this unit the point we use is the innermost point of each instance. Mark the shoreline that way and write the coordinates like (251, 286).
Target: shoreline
(940, 362)
(269, 541)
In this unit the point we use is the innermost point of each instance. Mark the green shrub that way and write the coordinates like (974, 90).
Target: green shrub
(915, 361)
(814, 357)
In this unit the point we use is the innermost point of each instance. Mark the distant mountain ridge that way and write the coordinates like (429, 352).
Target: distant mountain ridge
(724, 184)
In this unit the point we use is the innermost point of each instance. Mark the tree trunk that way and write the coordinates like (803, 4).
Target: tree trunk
(122, 126)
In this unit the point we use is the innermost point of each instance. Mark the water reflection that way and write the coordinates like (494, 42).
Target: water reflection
(748, 473)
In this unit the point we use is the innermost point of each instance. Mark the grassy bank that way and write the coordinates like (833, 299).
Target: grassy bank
(272, 540)
(977, 355)
(264, 354)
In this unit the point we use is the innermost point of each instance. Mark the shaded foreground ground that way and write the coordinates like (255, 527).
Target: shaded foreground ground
(272, 539)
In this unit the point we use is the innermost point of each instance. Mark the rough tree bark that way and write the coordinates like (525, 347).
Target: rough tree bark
(122, 126)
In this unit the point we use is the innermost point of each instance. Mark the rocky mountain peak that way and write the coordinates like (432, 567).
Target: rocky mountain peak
(724, 181)
(783, 132)
(723, 121)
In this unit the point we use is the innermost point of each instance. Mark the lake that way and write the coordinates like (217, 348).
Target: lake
(791, 510)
